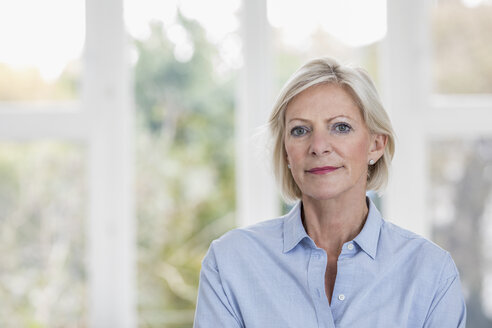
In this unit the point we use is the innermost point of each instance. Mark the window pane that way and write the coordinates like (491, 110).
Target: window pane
(350, 31)
(42, 211)
(42, 44)
(185, 149)
(461, 208)
(462, 44)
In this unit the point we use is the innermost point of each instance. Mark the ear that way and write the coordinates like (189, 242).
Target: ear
(378, 144)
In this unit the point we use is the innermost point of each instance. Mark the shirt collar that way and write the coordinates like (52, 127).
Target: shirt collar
(294, 231)
(367, 239)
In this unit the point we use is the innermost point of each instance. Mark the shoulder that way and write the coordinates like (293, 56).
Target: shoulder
(420, 253)
(406, 238)
(261, 229)
(242, 244)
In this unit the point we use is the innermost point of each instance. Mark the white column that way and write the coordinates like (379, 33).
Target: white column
(406, 87)
(256, 192)
(111, 231)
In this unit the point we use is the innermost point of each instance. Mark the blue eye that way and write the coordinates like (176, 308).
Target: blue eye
(298, 131)
(342, 128)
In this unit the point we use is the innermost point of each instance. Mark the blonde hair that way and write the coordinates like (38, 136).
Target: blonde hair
(358, 83)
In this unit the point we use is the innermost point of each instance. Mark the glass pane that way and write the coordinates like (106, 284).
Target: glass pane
(462, 44)
(42, 211)
(461, 210)
(350, 31)
(42, 43)
(184, 95)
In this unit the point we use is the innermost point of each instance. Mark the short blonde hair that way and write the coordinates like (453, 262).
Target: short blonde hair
(358, 83)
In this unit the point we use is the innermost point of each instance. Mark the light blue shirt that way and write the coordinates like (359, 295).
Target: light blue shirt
(272, 275)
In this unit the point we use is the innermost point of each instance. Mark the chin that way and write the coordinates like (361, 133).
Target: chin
(323, 195)
(331, 193)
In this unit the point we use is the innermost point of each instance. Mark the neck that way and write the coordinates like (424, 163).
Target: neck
(331, 223)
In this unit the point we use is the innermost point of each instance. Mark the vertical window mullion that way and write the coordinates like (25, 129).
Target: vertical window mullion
(110, 231)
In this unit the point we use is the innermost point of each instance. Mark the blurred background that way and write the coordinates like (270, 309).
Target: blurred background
(130, 138)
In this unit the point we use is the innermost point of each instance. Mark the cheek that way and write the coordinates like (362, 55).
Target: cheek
(294, 151)
(356, 151)
(288, 147)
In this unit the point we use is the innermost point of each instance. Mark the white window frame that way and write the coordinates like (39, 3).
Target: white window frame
(257, 196)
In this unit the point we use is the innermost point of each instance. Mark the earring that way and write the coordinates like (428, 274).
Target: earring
(288, 165)
(371, 162)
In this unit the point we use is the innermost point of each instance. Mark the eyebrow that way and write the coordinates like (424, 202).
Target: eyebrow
(304, 120)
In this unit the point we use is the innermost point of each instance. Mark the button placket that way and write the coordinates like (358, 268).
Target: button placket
(316, 277)
(316, 270)
(344, 282)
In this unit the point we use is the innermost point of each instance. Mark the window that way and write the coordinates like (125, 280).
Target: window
(71, 161)
(459, 159)
(185, 59)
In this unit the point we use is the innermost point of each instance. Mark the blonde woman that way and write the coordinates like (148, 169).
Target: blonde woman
(332, 261)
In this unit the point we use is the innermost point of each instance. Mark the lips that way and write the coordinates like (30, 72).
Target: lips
(322, 170)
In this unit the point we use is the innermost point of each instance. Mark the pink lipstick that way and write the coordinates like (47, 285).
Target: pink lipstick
(322, 170)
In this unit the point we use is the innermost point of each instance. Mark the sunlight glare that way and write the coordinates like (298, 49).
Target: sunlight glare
(472, 3)
(184, 48)
(216, 16)
(51, 32)
(138, 14)
(354, 22)
(43, 34)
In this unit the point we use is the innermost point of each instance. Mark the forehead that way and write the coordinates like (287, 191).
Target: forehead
(327, 99)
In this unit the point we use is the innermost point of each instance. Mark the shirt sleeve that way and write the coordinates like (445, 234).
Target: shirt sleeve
(448, 307)
(213, 308)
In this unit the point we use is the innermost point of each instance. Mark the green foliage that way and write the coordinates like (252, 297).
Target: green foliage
(42, 272)
(185, 171)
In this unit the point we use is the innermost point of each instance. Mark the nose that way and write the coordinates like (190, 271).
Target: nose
(320, 144)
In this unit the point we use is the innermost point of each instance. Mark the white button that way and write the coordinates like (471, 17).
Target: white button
(350, 247)
(341, 297)
(316, 256)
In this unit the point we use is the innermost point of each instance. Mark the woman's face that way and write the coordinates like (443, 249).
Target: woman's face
(327, 142)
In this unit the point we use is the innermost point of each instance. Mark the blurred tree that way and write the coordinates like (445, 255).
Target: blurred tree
(42, 202)
(462, 64)
(185, 170)
(463, 234)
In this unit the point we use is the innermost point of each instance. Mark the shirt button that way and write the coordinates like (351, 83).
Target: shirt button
(350, 247)
(341, 297)
(316, 256)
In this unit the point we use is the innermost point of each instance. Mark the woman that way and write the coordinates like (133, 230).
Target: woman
(332, 261)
